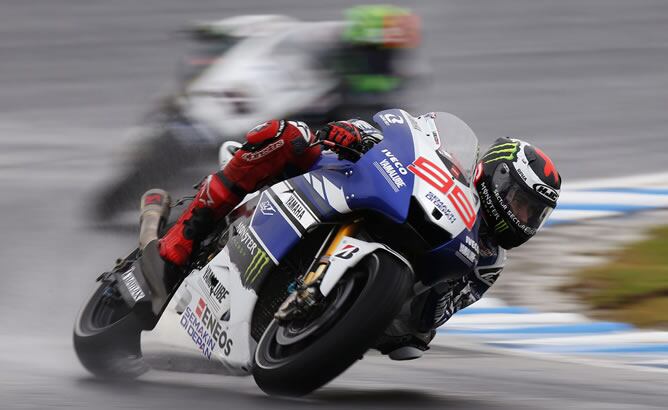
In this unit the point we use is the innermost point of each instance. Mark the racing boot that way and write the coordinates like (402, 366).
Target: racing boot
(212, 202)
(405, 347)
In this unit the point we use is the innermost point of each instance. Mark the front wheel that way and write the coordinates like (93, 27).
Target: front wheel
(297, 357)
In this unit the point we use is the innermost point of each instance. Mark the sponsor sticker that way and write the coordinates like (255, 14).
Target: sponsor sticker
(205, 330)
(392, 170)
(546, 191)
(246, 239)
(248, 254)
(394, 161)
(473, 244)
(253, 156)
(442, 207)
(347, 252)
(507, 151)
(467, 253)
(267, 208)
(295, 208)
(521, 174)
(132, 285)
(216, 289)
(259, 261)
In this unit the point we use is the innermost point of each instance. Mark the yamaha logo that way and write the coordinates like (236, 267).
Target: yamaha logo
(546, 191)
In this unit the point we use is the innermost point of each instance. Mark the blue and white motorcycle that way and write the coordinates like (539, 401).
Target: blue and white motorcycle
(308, 274)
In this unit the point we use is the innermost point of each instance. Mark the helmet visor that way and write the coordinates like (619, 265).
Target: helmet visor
(528, 210)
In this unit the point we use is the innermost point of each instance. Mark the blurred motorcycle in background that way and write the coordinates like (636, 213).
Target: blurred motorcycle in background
(245, 70)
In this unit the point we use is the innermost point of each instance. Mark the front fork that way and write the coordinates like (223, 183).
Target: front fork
(307, 293)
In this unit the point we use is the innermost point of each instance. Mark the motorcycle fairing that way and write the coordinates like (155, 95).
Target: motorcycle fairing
(450, 260)
(230, 317)
(258, 241)
(349, 252)
(378, 181)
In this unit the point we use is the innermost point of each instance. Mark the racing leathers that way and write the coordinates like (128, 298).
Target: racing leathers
(450, 297)
(276, 149)
(280, 149)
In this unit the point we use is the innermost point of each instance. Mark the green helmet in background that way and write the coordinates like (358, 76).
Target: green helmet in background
(381, 25)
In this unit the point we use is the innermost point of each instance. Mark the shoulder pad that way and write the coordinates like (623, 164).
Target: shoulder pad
(266, 131)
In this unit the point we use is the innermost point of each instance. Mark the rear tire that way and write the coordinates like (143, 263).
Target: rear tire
(358, 310)
(107, 337)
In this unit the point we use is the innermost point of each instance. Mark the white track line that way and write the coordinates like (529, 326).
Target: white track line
(633, 180)
(517, 319)
(630, 337)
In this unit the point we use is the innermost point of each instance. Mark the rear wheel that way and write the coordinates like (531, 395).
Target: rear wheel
(107, 336)
(299, 356)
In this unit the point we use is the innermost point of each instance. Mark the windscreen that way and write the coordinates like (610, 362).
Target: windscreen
(457, 142)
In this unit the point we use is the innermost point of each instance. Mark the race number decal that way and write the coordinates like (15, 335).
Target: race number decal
(392, 119)
(463, 206)
(431, 173)
(439, 179)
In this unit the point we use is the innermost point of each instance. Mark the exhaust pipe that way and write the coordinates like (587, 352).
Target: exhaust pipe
(154, 211)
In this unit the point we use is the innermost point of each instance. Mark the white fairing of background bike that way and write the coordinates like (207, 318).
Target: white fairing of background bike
(270, 76)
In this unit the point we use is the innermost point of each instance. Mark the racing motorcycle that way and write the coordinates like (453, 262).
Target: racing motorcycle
(306, 275)
(239, 72)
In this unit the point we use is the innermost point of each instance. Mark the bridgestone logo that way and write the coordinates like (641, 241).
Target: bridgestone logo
(258, 263)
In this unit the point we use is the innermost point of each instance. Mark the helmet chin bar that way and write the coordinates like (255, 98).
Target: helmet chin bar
(502, 228)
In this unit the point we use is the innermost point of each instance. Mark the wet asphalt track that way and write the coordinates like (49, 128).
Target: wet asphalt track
(586, 80)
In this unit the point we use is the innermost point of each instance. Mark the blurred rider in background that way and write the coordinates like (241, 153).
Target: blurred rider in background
(241, 70)
(373, 58)
(369, 54)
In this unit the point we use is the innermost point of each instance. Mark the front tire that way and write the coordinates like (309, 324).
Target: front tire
(294, 359)
(107, 336)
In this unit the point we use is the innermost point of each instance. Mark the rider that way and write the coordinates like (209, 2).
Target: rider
(517, 183)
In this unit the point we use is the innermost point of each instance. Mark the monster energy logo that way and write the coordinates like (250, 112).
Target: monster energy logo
(501, 226)
(256, 266)
(502, 151)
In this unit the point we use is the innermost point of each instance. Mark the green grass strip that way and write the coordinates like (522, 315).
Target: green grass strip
(633, 286)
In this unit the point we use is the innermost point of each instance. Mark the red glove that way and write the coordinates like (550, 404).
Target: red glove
(341, 133)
